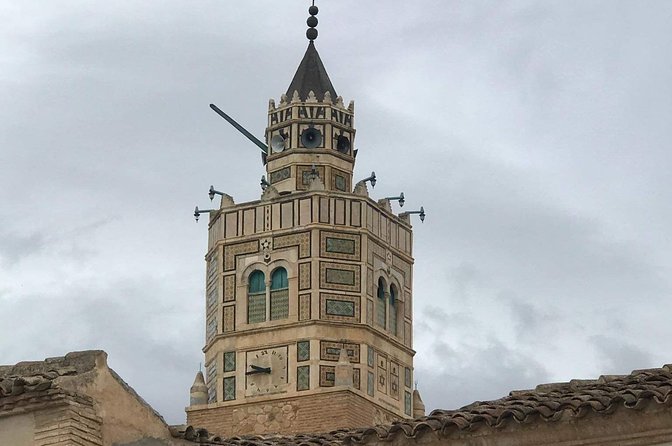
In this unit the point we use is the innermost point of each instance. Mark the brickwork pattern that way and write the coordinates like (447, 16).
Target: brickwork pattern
(308, 413)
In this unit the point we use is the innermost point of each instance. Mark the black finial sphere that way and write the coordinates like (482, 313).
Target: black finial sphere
(313, 10)
(311, 34)
(312, 21)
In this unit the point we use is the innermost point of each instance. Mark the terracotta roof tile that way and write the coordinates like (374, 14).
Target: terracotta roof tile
(548, 402)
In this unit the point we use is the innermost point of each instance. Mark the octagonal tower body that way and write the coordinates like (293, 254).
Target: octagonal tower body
(309, 289)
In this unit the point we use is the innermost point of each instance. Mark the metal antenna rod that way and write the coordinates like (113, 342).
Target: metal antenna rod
(240, 128)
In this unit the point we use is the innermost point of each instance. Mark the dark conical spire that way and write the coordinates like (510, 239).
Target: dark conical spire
(311, 76)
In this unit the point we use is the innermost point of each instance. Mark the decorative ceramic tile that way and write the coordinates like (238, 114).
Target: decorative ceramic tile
(394, 368)
(302, 240)
(330, 351)
(229, 288)
(340, 276)
(304, 276)
(335, 276)
(304, 173)
(407, 377)
(230, 388)
(232, 251)
(211, 383)
(382, 361)
(279, 175)
(212, 298)
(211, 328)
(407, 403)
(303, 351)
(303, 377)
(327, 375)
(304, 307)
(229, 361)
(336, 245)
(229, 319)
(370, 383)
(279, 305)
(340, 308)
(394, 387)
(340, 183)
(212, 267)
(334, 307)
(382, 381)
(256, 308)
(339, 180)
(340, 245)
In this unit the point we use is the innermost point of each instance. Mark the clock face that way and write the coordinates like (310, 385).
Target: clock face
(266, 371)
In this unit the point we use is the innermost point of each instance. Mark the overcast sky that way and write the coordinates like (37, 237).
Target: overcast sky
(535, 133)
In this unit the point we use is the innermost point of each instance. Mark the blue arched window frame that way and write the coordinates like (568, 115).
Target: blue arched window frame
(256, 297)
(279, 294)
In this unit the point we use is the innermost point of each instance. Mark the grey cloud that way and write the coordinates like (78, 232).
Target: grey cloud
(619, 355)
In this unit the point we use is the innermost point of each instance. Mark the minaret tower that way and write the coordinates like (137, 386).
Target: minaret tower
(309, 289)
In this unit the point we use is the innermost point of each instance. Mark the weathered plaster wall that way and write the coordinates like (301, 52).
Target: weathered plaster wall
(17, 430)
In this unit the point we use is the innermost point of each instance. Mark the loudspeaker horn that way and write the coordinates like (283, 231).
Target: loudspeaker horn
(343, 144)
(277, 143)
(311, 138)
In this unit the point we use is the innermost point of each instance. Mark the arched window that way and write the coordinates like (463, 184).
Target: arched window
(381, 310)
(394, 304)
(256, 298)
(279, 294)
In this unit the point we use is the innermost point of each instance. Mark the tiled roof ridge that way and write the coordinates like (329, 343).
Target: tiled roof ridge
(549, 402)
(25, 401)
(73, 363)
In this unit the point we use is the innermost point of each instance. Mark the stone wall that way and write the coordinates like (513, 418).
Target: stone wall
(311, 413)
